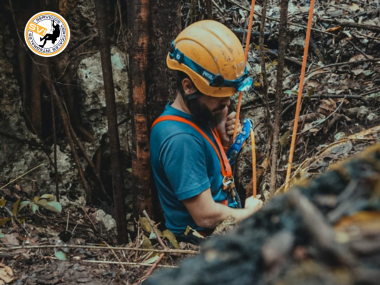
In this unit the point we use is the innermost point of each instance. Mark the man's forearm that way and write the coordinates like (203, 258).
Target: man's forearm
(221, 212)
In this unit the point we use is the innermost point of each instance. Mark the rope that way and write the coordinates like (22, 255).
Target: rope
(298, 109)
(239, 102)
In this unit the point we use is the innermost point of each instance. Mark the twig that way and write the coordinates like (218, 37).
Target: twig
(114, 253)
(370, 92)
(179, 251)
(155, 230)
(344, 63)
(160, 241)
(126, 263)
(156, 264)
(358, 49)
(354, 25)
(21, 176)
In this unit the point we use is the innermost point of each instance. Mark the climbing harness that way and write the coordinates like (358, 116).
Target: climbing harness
(300, 90)
(228, 183)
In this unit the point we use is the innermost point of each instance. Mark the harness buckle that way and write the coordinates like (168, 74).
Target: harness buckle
(229, 184)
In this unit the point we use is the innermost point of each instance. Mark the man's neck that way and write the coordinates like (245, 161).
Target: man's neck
(180, 104)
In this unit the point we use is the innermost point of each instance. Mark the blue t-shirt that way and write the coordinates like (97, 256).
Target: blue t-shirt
(184, 165)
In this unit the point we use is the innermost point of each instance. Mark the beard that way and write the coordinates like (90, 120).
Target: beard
(202, 116)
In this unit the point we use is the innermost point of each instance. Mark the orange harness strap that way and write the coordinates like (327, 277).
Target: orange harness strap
(224, 163)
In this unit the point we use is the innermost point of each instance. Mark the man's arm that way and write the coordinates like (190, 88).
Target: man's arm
(206, 213)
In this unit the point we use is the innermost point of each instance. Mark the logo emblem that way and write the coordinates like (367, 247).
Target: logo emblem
(47, 34)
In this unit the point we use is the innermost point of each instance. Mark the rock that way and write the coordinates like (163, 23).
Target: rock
(107, 220)
(90, 78)
(371, 116)
(362, 113)
(338, 136)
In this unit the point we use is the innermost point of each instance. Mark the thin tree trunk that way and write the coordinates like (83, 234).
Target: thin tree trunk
(138, 23)
(277, 105)
(209, 9)
(113, 133)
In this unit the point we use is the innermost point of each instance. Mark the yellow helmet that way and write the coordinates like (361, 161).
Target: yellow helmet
(212, 56)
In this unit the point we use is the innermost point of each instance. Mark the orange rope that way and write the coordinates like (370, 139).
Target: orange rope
(246, 57)
(254, 186)
(239, 102)
(298, 109)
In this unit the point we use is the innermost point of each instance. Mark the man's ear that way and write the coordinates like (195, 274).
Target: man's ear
(188, 86)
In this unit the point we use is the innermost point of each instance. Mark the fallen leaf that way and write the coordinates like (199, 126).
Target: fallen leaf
(354, 7)
(60, 255)
(6, 273)
(15, 207)
(327, 106)
(11, 239)
(171, 237)
(359, 57)
(2, 202)
(152, 259)
(333, 29)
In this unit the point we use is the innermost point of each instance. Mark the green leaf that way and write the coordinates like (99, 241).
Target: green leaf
(1, 234)
(52, 206)
(23, 204)
(170, 236)
(2, 202)
(146, 244)
(60, 255)
(129, 170)
(151, 260)
(152, 235)
(50, 197)
(34, 208)
(3, 221)
(310, 92)
(291, 92)
(15, 207)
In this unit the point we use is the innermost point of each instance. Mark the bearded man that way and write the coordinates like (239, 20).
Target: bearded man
(188, 141)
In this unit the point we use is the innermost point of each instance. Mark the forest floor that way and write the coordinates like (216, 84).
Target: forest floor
(342, 98)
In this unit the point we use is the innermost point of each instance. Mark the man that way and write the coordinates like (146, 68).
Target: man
(188, 141)
(51, 37)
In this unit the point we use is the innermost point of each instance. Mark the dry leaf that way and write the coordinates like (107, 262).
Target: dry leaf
(333, 29)
(6, 274)
(327, 106)
(359, 57)
(354, 7)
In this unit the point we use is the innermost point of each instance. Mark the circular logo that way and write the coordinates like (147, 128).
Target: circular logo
(47, 34)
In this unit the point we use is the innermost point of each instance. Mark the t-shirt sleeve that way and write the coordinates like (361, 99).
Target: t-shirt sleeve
(184, 161)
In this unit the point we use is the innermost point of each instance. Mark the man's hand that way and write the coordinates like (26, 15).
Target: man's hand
(253, 204)
(226, 129)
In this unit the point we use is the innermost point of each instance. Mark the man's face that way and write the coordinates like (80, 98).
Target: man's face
(209, 111)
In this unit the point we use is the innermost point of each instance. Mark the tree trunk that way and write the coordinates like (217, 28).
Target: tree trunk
(138, 25)
(280, 78)
(113, 133)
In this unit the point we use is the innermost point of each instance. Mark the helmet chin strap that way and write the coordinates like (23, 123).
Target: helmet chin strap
(190, 97)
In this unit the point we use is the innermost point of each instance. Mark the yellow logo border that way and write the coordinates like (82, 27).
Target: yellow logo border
(67, 34)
